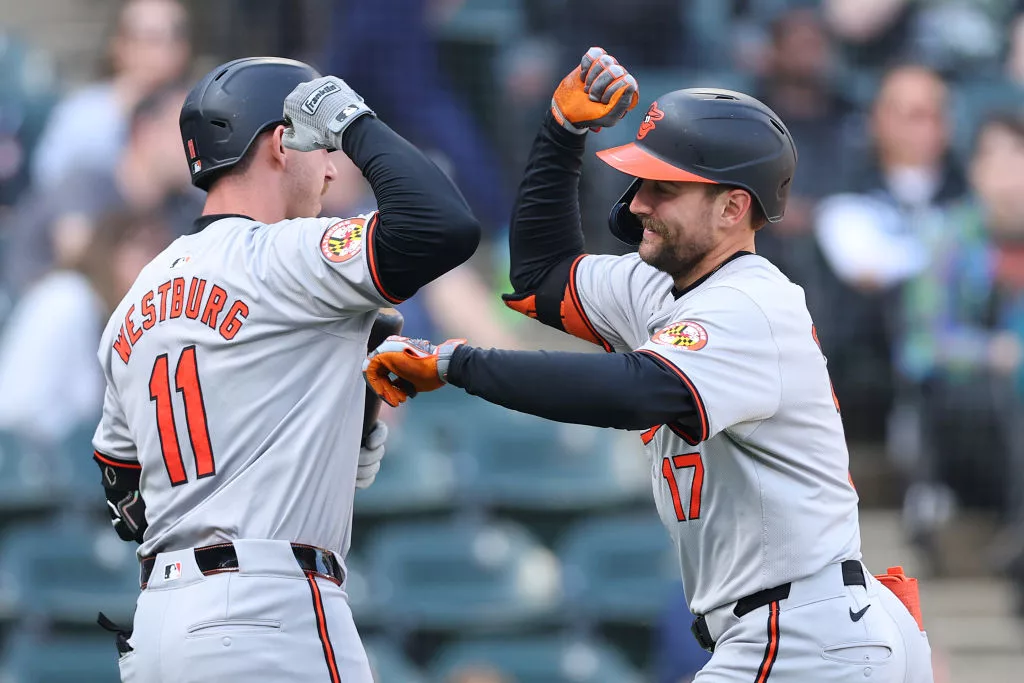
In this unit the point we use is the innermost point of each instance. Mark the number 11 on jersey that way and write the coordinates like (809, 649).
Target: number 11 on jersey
(186, 382)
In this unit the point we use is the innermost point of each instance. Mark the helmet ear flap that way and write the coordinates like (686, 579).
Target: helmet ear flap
(622, 222)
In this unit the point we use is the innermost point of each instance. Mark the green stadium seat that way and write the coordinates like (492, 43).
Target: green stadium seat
(388, 663)
(60, 659)
(618, 568)
(67, 572)
(80, 475)
(538, 660)
(519, 461)
(361, 598)
(450, 575)
(27, 477)
(414, 475)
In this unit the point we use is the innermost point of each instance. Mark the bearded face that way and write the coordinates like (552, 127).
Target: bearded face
(681, 234)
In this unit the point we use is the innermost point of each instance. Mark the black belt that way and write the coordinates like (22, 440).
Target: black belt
(214, 559)
(853, 575)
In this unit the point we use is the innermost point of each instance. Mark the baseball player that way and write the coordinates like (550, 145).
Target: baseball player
(230, 441)
(716, 359)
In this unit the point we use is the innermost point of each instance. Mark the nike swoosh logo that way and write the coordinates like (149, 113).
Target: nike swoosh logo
(855, 616)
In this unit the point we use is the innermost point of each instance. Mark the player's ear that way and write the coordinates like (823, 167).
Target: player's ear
(276, 147)
(736, 204)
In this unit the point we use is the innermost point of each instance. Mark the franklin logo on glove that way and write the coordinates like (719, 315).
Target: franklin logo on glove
(312, 102)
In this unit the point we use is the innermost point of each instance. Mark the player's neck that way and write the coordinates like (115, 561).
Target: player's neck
(233, 196)
(714, 259)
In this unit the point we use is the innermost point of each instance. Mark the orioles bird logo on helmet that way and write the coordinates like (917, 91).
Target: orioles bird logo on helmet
(650, 121)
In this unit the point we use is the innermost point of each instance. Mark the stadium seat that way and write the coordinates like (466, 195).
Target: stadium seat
(60, 659)
(439, 418)
(414, 475)
(519, 461)
(80, 475)
(27, 481)
(67, 572)
(445, 575)
(538, 660)
(618, 568)
(389, 664)
(361, 598)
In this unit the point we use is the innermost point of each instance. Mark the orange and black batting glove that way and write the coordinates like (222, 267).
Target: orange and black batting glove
(400, 367)
(597, 93)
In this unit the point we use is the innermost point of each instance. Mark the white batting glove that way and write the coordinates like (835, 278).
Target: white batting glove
(370, 455)
(319, 111)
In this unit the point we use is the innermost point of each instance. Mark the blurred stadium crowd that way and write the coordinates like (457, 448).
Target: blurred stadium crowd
(494, 547)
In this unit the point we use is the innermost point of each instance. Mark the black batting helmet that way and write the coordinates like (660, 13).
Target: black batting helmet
(706, 135)
(230, 106)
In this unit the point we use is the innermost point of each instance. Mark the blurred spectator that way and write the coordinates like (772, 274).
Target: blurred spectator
(957, 37)
(1013, 68)
(149, 49)
(874, 32)
(50, 380)
(528, 72)
(873, 238)
(384, 49)
(677, 657)
(479, 673)
(27, 94)
(962, 351)
(642, 34)
(797, 83)
(149, 174)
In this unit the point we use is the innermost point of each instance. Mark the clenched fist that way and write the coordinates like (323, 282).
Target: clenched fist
(597, 93)
(401, 367)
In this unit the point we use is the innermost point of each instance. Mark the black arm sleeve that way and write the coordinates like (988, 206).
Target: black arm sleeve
(621, 390)
(426, 228)
(545, 230)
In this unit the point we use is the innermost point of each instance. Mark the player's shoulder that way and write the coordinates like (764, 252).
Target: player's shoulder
(753, 275)
(749, 282)
(625, 267)
(352, 230)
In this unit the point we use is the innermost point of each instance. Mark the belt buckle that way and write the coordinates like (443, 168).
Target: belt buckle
(699, 629)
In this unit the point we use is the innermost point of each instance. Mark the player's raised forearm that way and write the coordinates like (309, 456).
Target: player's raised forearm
(422, 213)
(545, 228)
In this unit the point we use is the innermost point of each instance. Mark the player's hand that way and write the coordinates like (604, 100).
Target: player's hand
(400, 367)
(370, 455)
(319, 111)
(597, 93)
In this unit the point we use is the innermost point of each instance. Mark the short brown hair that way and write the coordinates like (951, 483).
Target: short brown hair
(757, 218)
(241, 166)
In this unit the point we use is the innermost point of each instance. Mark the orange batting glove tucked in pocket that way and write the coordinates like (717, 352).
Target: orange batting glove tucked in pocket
(400, 367)
(597, 93)
(906, 589)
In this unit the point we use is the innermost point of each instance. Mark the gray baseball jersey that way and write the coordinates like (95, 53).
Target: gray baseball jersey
(233, 379)
(755, 490)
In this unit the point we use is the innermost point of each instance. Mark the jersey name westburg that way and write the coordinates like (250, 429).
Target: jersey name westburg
(169, 301)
